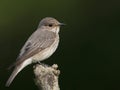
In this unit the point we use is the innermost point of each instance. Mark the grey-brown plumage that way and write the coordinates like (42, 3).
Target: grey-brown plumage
(39, 46)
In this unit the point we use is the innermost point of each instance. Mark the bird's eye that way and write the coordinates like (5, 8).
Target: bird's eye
(50, 25)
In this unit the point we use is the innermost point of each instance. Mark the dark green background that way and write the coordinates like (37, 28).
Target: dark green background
(89, 51)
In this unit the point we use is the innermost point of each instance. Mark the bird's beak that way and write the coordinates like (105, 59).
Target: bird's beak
(61, 24)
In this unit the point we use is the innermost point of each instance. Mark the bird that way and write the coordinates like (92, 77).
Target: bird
(39, 46)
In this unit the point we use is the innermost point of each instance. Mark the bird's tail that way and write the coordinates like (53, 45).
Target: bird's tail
(13, 75)
(17, 69)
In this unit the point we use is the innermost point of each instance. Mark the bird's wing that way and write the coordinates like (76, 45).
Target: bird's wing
(38, 41)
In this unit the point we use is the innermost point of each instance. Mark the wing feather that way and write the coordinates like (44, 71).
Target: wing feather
(37, 42)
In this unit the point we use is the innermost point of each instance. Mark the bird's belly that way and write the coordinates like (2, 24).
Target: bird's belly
(46, 53)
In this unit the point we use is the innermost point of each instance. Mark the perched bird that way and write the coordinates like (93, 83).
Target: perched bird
(39, 46)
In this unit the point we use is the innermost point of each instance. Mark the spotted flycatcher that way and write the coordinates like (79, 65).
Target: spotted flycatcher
(39, 46)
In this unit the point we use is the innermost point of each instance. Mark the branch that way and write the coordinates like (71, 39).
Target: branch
(46, 77)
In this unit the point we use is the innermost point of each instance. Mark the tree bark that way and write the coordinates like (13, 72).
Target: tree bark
(46, 77)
